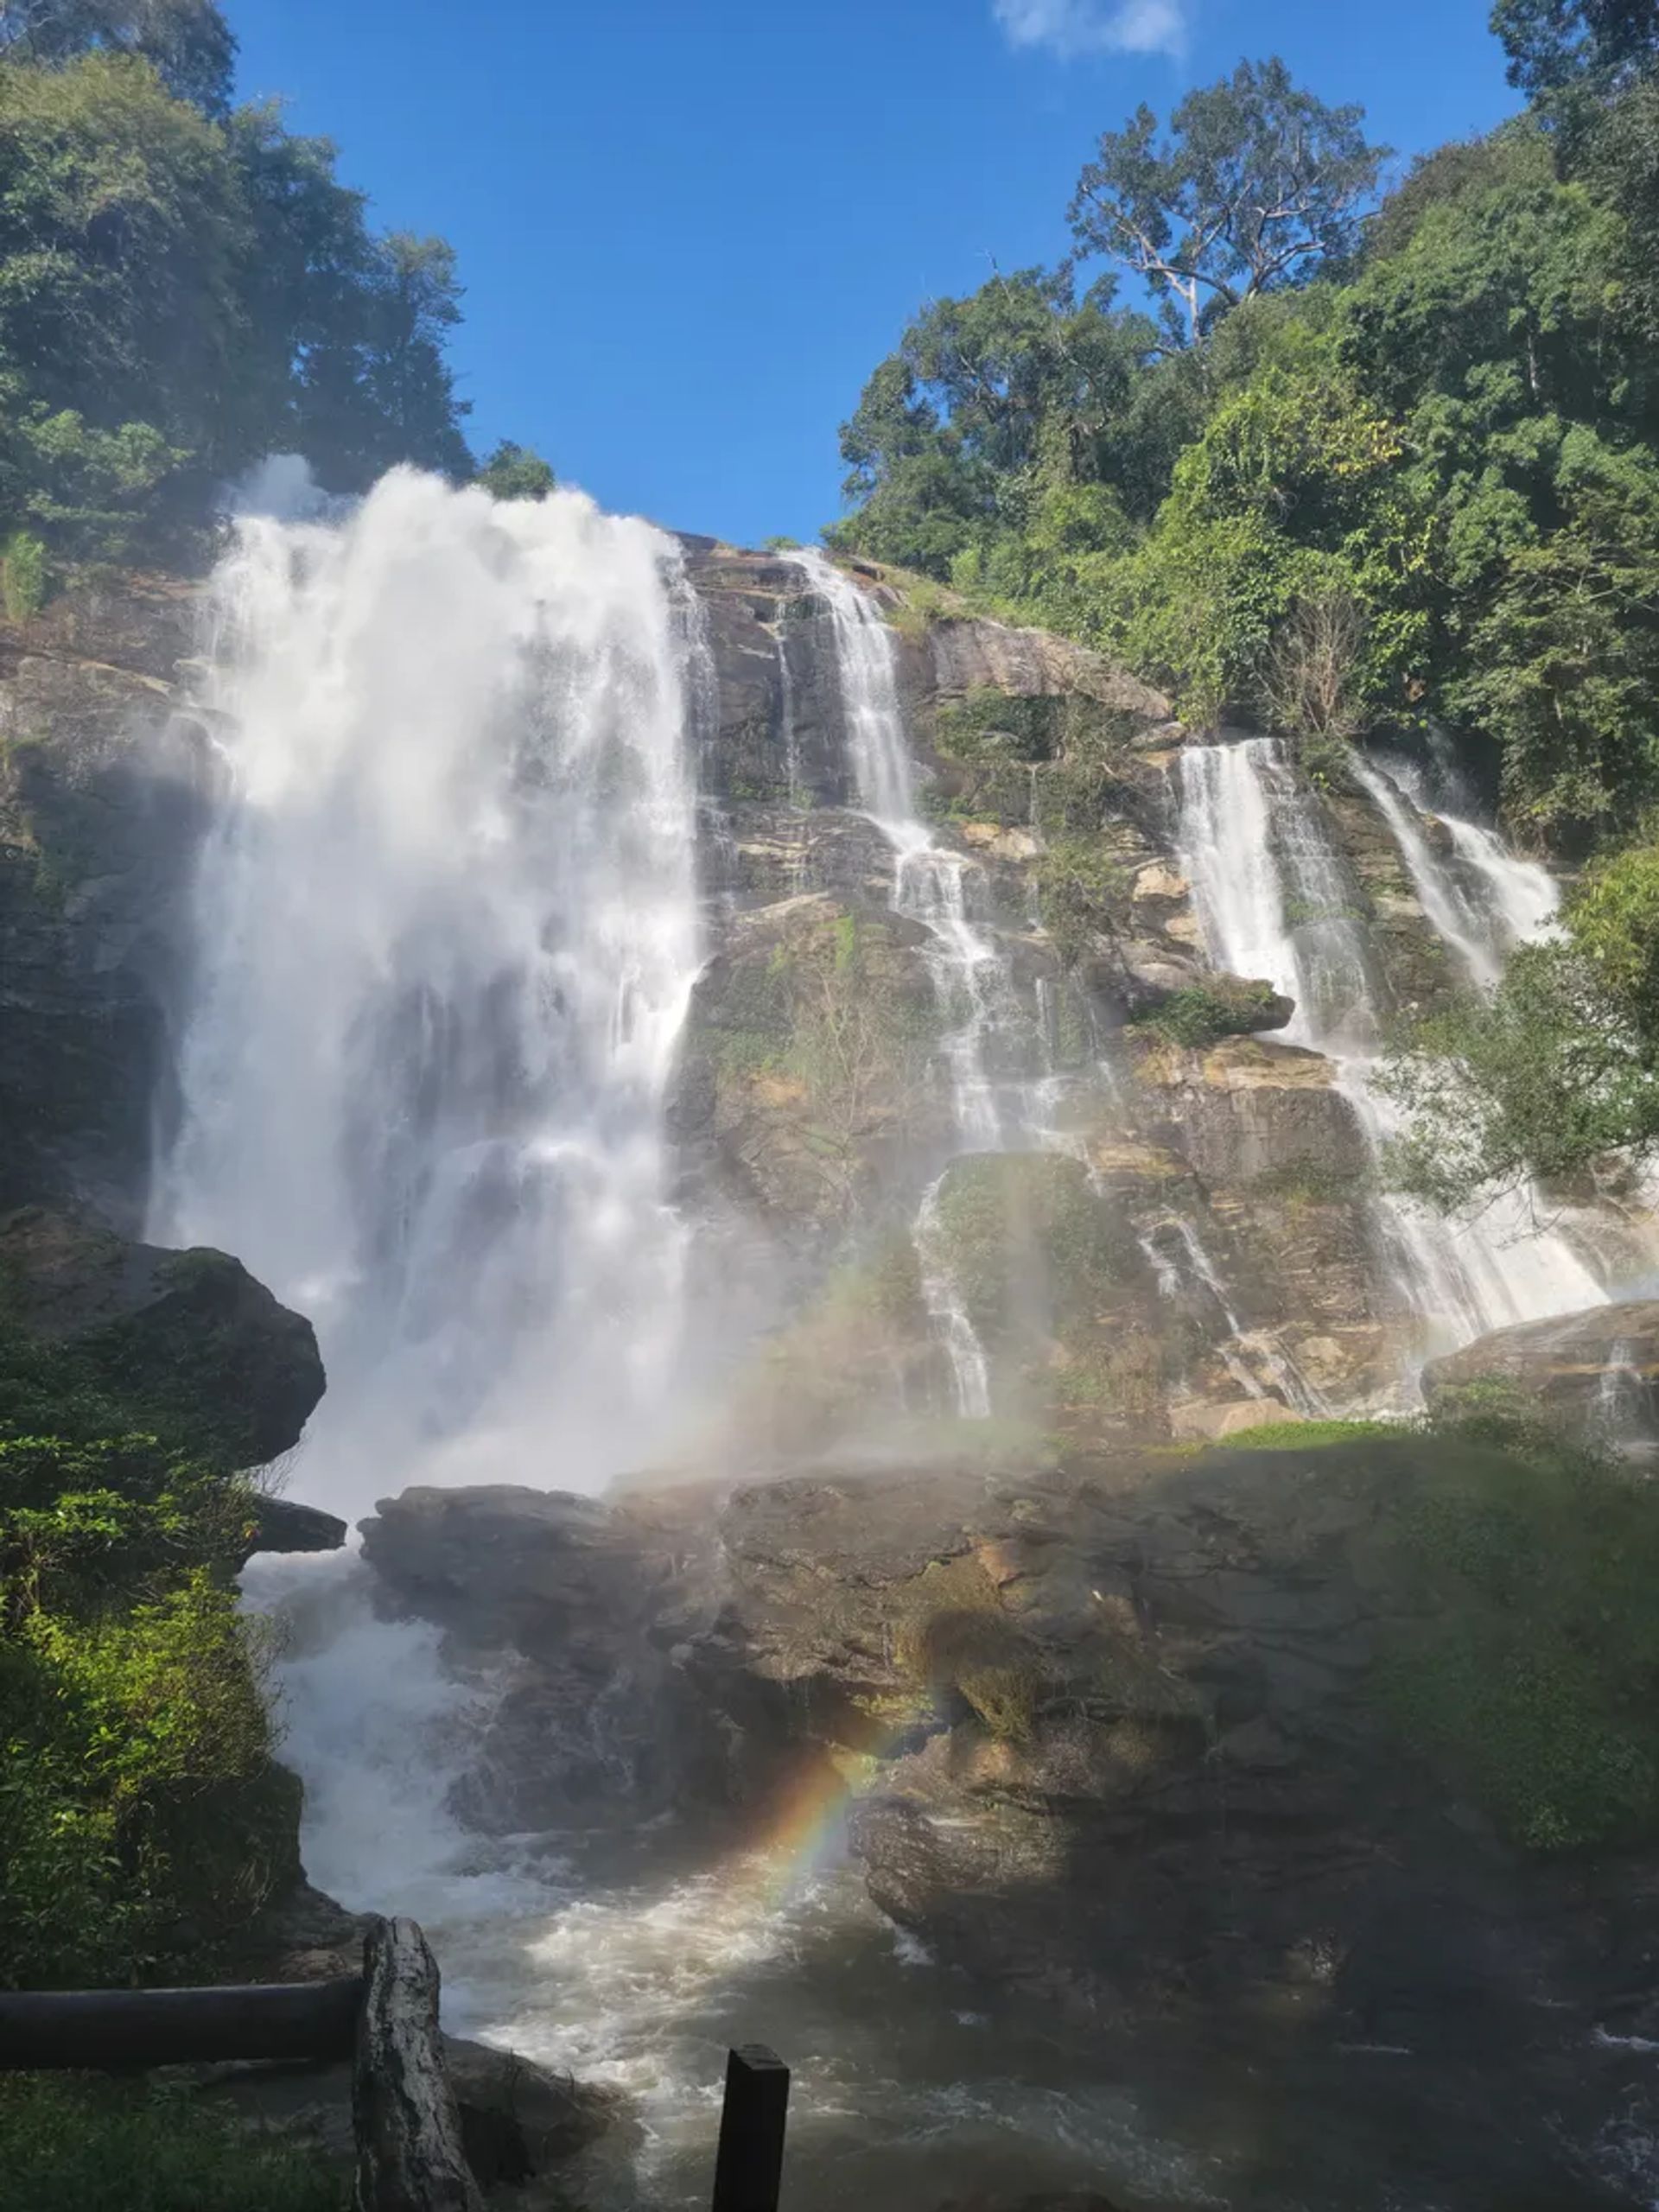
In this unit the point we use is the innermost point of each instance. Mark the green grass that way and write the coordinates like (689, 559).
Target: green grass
(70, 2143)
(1306, 1435)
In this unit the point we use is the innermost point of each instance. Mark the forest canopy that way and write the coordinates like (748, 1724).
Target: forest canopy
(1335, 461)
(187, 285)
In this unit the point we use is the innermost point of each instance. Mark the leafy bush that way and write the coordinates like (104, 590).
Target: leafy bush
(1083, 892)
(23, 575)
(1202, 1014)
(143, 1818)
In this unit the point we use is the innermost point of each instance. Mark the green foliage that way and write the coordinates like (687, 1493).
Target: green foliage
(142, 1818)
(1543, 1079)
(183, 289)
(1256, 185)
(93, 2144)
(1424, 482)
(187, 43)
(1303, 1435)
(514, 472)
(1084, 893)
(1557, 46)
(1203, 1013)
(23, 575)
(1531, 1682)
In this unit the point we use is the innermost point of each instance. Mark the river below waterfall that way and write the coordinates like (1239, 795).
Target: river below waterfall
(634, 1960)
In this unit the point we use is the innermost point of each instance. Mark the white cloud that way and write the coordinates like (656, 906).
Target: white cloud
(1071, 28)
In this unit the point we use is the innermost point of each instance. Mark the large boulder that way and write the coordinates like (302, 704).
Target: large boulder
(186, 1340)
(591, 1724)
(1594, 1373)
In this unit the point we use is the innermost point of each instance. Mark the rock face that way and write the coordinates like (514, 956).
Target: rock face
(558, 1593)
(188, 1339)
(1125, 1742)
(812, 1103)
(102, 784)
(1595, 1373)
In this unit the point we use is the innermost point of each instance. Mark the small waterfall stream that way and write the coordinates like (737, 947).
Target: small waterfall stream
(1276, 901)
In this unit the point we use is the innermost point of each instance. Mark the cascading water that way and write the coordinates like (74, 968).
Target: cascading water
(447, 933)
(932, 886)
(1274, 902)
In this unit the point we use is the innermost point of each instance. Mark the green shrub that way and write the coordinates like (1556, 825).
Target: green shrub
(1203, 1013)
(76, 2143)
(1083, 892)
(23, 575)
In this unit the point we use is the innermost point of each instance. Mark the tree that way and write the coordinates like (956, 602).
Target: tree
(188, 43)
(1257, 185)
(1557, 46)
(516, 471)
(416, 302)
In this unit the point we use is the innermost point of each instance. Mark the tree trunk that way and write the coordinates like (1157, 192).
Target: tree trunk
(408, 2149)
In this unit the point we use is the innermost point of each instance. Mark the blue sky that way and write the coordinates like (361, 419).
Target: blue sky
(689, 228)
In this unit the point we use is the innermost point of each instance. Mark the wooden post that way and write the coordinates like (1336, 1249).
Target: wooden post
(749, 2167)
(118, 2028)
(409, 2150)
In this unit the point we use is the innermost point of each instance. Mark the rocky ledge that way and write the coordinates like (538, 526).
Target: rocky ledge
(1181, 1749)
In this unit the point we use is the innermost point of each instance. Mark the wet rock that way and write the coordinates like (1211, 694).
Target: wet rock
(808, 1084)
(521, 2122)
(556, 1597)
(186, 1339)
(1595, 1373)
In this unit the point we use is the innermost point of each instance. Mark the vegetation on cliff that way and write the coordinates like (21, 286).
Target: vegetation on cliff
(1378, 465)
(144, 1819)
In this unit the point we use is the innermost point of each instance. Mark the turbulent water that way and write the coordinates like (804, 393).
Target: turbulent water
(447, 932)
(1275, 900)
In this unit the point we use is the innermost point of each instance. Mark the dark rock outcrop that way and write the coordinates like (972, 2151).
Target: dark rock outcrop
(593, 1723)
(188, 1340)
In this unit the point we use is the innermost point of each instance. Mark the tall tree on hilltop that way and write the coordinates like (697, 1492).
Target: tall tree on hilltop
(1557, 46)
(187, 43)
(1256, 185)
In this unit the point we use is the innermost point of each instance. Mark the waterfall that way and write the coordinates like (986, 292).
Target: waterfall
(1274, 901)
(1239, 1346)
(1444, 901)
(947, 1310)
(931, 885)
(446, 936)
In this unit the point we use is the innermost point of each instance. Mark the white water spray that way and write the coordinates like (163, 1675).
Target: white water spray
(446, 933)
